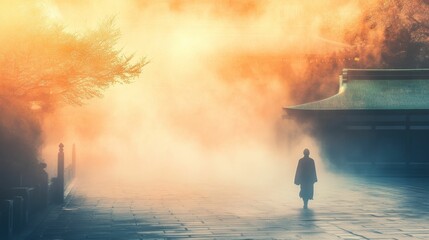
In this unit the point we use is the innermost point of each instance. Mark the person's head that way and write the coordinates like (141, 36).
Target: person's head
(306, 152)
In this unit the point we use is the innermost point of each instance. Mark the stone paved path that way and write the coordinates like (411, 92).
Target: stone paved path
(343, 209)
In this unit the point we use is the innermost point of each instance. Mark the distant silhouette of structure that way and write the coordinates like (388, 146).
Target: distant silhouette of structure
(74, 160)
(378, 123)
(65, 175)
(23, 198)
(60, 175)
(306, 176)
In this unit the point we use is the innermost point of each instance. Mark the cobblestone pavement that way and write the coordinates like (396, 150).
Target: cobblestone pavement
(345, 208)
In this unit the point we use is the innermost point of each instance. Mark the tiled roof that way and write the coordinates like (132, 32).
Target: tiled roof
(373, 89)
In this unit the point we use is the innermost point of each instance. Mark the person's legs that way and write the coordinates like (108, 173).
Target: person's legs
(305, 200)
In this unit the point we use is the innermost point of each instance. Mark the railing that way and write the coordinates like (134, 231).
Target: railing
(21, 201)
(68, 176)
(70, 170)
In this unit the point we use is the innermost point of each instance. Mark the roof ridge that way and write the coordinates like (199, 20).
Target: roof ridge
(385, 74)
(380, 91)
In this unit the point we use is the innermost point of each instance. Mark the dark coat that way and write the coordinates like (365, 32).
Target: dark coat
(306, 176)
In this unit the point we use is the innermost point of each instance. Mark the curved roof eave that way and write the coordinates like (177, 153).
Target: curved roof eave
(408, 94)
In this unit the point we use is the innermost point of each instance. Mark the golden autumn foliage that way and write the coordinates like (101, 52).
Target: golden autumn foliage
(42, 64)
(387, 34)
(392, 34)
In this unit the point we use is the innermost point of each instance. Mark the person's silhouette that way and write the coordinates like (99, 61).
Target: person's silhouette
(306, 177)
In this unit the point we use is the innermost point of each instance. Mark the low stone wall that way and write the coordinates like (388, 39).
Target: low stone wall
(19, 205)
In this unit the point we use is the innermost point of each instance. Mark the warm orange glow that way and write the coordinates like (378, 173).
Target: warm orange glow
(209, 104)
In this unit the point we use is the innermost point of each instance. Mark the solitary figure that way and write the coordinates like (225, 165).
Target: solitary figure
(306, 177)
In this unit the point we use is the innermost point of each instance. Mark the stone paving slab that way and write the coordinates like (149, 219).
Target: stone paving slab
(351, 208)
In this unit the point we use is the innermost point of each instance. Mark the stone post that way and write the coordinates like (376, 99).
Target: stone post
(74, 161)
(44, 186)
(6, 218)
(60, 177)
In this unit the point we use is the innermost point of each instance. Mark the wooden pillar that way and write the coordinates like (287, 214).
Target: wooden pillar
(74, 161)
(408, 153)
(375, 146)
(60, 178)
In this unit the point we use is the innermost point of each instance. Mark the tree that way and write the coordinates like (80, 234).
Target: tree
(42, 66)
(388, 34)
(392, 34)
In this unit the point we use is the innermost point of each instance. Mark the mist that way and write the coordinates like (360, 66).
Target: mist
(208, 106)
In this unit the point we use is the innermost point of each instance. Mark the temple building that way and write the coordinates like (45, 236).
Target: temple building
(377, 122)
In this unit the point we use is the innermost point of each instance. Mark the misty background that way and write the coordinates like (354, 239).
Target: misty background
(208, 106)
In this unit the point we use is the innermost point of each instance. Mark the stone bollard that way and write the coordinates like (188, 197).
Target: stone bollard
(27, 195)
(6, 220)
(43, 187)
(60, 175)
(18, 205)
(74, 160)
(55, 195)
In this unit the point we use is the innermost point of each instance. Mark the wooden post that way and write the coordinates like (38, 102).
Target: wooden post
(60, 178)
(408, 152)
(74, 161)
